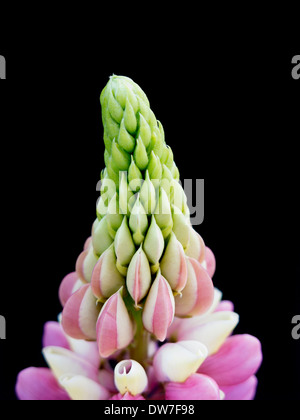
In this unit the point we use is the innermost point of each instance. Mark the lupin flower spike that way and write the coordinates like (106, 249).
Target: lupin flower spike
(143, 276)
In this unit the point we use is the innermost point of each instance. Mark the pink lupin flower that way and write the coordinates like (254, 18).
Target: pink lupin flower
(198, 294)
(210, 262)
(173, 264)
(158, 312)
(80, 314)
(114, 326)
(85, 263)
(127, 397)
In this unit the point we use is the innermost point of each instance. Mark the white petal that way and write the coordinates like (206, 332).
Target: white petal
(81, 388)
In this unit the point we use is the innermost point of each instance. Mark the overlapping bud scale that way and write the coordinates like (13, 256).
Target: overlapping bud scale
(144, 262)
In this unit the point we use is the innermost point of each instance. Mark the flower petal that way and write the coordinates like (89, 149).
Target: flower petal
(211, 331)
(210, 261)
(81, 388)
(196, 387)
(54, 335)
(39, 384)
(177, 361)
(127, 397)
(236, 360)
(63, 361)
(243, 391)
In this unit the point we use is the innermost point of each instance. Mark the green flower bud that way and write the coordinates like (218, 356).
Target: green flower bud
(113, 216)
(119, 157)
(138, 222)
(144, 131)
(148, 195)
(124, 245)
(154, 244)
(115, 109)
(181, 227)
(163, 214)
(140, 155)
(134, 176)
(125, 139)
(155, 169)
(130, 120)
(101, 238)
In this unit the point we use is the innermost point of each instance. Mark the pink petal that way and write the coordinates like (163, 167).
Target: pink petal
(54, 335)
(237, 359)
(243, 391)
(225, 305)
(39, 384)
(210, 261)
(196, 387)
(127, 397)
(66, 287)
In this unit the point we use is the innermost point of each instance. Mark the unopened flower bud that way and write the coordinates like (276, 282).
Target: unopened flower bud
(138, 222)
(163, 215)
(148, 195)
(198, 294)
(101, 237)
(106, 279)
(124, 245)
(114, 326)
(154, 243)
(158, 312)
(173, 264)
(140, 155)
(85, 264)
(130, 377)
(80, 314)
(138, 278)
(196, 246)
(181, 227)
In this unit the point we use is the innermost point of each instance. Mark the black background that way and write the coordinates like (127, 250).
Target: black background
(230, 110)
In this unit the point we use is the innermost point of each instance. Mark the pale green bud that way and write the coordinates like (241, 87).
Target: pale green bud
(155, 169)
(115, 109)
(113, 216)
(140, 155)
(134, 176)
(163, 214)
(124, 245)
(125, 139)
(181, 227)
(119, 157)
(138, 222)
(101, 238)
(130, 120)
(148, 195)
(144, 131)
(154, 243)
